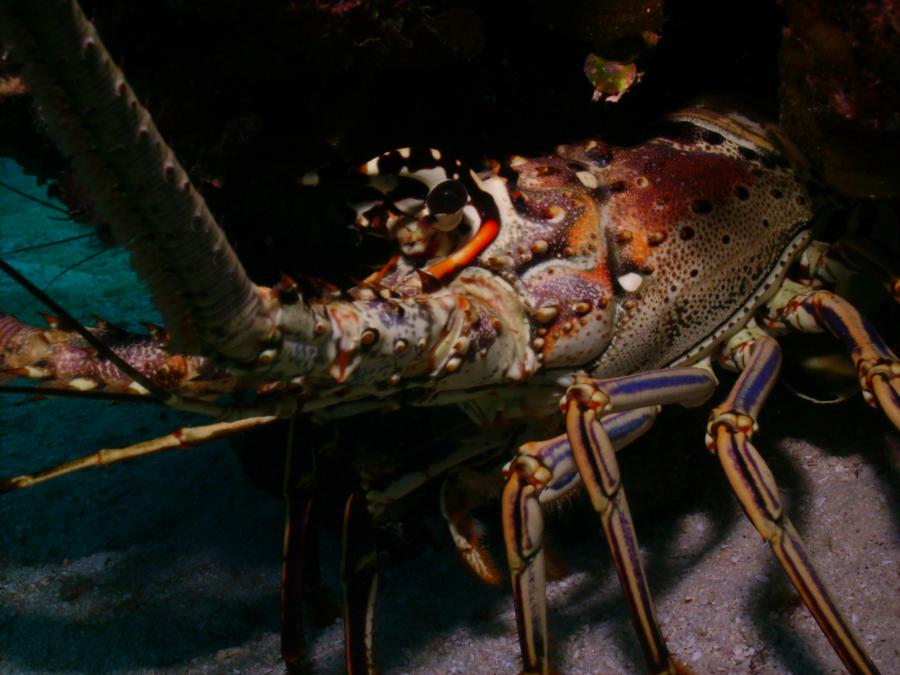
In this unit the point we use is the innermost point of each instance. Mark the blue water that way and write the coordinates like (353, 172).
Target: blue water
(89, 278)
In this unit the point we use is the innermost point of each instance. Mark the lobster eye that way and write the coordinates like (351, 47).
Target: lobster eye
(448, 196)
(445, 202)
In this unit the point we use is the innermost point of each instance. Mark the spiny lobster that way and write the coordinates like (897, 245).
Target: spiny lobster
(585, 274)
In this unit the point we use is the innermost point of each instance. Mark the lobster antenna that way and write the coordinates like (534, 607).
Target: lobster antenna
(73, 393)
(48, 244)
(71, 267)
(36, 200)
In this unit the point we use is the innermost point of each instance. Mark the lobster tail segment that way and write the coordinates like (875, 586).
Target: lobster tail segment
(135, 181)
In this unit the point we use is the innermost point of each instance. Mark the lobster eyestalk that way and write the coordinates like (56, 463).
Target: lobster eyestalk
(135, 180)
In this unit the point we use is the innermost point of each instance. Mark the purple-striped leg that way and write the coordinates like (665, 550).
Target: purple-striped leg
(730, 428)
(359, 576)
(798, 308)
(585, 402)
(541, 473)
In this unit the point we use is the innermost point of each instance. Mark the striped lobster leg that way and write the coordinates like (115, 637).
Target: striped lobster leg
(585, 404)
(813, 311)
(730, 428)
(541, 473)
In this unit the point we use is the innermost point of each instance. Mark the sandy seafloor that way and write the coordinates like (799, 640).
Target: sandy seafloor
(171, 564)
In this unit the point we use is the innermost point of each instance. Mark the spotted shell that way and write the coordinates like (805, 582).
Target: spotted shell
(643, 255)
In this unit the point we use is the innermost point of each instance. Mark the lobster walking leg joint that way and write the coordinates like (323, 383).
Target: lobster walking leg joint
(734, 422)
(878, 368)
(877, 374)
(526, 477)
(586, 395)
(529, 469)
(523, 528)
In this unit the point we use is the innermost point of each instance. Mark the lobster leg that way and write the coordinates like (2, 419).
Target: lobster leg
(299, 569)
(832, 262)
(729, 431)
(182, 438)
(593, 453)
(359, 576)
(379, 501)
(798, 308)
(359, 564)
(299, 563)
(462, 491)
(541, 473)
